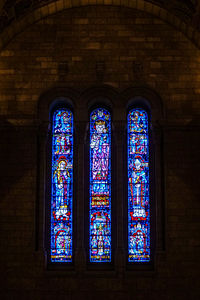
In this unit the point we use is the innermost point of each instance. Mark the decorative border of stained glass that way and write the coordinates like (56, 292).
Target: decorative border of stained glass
(138, 186)
(100, 186)
(62, 186)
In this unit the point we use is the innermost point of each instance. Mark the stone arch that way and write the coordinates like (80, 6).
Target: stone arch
(20, 25)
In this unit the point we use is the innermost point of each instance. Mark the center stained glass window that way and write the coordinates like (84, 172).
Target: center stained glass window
(138, 186)
(100, 186)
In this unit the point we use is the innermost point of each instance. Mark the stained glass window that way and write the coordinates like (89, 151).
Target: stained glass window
(138, 186)
(100, 186)
(62, 186)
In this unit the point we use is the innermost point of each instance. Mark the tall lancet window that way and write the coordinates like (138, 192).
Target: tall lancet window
(100, 186)
(62, 186)
(138, 186)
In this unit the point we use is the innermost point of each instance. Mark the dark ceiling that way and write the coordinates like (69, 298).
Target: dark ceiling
(187, 10)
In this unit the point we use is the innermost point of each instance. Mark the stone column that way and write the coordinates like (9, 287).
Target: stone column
(119, 185)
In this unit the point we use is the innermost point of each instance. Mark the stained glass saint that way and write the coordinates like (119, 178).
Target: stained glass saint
(138, 187)
(100, 186)
(62, 186)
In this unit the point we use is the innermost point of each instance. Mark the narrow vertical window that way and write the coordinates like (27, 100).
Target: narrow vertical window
(100, 186)
(62, 186)
(138, 186)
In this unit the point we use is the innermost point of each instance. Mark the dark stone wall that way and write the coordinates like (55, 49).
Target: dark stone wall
(72, 53)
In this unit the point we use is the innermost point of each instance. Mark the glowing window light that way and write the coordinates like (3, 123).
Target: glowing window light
(100, 186)
(62, 186)
(138, 187)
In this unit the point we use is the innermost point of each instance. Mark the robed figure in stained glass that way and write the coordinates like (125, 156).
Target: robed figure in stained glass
(100, 145)
(62, 184)
(61, 180)
(100, 186)
(138, 187)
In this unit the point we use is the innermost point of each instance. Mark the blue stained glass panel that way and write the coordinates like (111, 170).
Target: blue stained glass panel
(138, 187)
(62, 186)
(100, 186)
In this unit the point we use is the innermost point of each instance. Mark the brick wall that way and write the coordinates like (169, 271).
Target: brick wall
(80, 48)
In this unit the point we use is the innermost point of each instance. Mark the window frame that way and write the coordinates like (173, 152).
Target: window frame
(140, 103)
(107, 95)
(99, 98)
(57, 103)
(148, 99)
